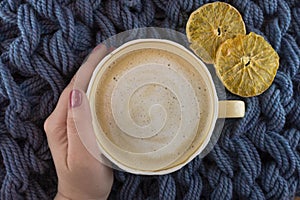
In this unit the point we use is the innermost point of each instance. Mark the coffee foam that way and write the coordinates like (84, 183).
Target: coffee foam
(158, 149)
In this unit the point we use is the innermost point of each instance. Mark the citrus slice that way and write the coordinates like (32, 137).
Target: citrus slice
(246, 64)
(210, 25)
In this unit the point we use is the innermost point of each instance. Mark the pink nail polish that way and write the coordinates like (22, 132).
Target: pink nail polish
(99, 46)
(75, 98)
(111, 49)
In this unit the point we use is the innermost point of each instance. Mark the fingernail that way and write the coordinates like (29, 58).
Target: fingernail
(75, 98)
(99, 46)
(111, 49)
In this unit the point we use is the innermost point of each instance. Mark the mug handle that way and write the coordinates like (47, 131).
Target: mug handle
(231, 109)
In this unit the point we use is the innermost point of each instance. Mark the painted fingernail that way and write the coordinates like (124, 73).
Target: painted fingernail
(99, 46)
(111, 49)
(75, 98)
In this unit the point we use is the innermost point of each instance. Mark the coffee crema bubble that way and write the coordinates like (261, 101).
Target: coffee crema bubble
(153, 109)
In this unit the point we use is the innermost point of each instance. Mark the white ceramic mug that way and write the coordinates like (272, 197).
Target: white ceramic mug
(154, 106)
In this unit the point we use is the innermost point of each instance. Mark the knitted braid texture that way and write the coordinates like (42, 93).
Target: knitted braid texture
(42, 44)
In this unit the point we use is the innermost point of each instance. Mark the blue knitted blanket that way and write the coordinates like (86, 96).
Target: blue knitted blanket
(43, 43)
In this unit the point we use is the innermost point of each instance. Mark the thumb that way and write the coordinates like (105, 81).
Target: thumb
(81, 137)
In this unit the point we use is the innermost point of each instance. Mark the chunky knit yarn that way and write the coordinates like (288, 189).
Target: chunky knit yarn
(42, 44)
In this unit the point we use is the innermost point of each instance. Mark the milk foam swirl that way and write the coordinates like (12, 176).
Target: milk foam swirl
(150, 74)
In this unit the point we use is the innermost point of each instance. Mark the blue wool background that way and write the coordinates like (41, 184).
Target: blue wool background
(43, 43)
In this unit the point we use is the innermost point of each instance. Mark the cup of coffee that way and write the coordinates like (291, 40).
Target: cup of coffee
(154, 106)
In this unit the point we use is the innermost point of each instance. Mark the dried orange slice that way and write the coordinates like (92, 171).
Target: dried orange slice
(246, 64)
(210, 25)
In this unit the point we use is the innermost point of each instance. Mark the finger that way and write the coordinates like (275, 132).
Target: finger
(81, 137)
(85, 72)
(59, 115)
(56, 124)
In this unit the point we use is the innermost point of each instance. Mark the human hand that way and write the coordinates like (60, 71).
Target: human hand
(80, 175)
